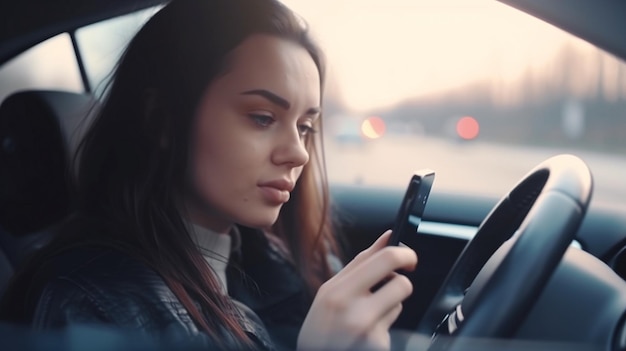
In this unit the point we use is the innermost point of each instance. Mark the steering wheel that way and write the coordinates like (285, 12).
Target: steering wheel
(504, 268)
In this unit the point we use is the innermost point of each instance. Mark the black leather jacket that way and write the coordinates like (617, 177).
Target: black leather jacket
(102, 285)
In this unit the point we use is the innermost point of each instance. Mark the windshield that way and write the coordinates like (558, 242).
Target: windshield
(473, 89)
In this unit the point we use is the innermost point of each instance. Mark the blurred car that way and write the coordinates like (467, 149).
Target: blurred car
(55, 57)
(346, 130)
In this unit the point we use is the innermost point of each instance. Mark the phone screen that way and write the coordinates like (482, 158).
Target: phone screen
(412, 207)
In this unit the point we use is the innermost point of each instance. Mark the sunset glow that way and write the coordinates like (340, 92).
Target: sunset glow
(383, 52)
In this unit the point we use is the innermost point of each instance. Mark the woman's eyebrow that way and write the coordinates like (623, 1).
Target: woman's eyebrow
(278, 100)
(273, 98)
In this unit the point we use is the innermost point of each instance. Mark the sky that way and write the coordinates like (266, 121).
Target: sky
(381, 52)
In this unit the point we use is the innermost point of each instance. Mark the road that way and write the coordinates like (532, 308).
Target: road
(474, 167)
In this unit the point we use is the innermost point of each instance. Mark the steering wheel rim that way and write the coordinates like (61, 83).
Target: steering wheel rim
(494, 281)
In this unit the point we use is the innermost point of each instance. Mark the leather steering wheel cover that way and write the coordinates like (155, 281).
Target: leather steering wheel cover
(496, 307)
(546, 208)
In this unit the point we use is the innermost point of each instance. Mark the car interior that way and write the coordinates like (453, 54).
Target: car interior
(572, 296)
(37, 142)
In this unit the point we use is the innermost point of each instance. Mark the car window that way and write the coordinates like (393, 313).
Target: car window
(101, 45)
(474, 89)
(52, 64)
(49, 65)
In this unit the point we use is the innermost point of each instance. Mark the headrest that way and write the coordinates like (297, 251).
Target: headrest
(39, 131)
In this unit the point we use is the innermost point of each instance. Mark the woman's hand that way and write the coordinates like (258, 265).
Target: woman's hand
(347, 313)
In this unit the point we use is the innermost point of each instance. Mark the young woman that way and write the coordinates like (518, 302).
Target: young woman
(202, 206)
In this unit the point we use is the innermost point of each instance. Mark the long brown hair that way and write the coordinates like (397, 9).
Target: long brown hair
(132, 162)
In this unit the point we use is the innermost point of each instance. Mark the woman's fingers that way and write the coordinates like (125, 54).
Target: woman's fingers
(346, 314)
(393, 292)
(380, 309)
(380, 243)
(363, 277)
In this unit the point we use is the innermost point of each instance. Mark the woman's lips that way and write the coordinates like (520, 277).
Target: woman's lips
(274, 195)
(276, 191)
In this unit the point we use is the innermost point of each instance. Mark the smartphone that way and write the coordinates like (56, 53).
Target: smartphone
(412, 207)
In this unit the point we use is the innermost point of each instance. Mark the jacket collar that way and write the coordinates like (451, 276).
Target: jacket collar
(261, 277)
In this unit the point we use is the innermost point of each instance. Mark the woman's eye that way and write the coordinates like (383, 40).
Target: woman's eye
(262, 120)
(306, 129)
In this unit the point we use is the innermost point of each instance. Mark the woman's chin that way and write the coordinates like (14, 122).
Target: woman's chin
(259, 220)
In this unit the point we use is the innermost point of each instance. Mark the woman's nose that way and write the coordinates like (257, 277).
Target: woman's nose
(290, 150)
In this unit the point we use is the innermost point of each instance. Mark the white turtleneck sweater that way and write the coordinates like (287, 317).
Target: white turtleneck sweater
(215, 248)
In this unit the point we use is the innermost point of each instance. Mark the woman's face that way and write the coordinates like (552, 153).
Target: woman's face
(249, 132)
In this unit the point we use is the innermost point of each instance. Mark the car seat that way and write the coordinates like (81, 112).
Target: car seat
(39, 130)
